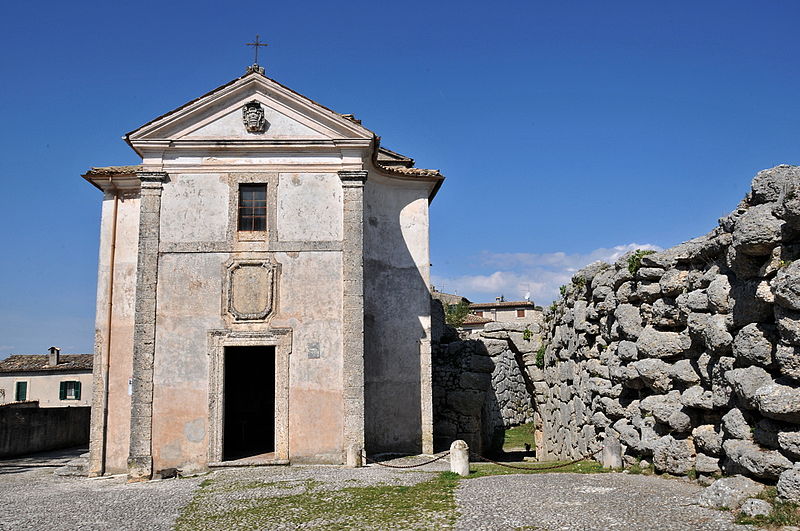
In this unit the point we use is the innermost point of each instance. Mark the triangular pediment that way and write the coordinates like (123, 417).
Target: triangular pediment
(218, 116)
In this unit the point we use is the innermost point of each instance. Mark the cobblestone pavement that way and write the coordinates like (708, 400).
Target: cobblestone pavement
(584, 502)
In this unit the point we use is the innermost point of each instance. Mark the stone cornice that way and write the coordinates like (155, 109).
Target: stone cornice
(353, 177)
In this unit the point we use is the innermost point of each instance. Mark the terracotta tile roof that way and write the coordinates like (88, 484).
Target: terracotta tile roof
(448, 298)
(112, 170)
(472, 319)
(504, 304)
(38, 362)
(414, 172)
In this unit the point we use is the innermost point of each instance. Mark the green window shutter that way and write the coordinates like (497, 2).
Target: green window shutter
(77, 390)
(62, 391)
(22, 391)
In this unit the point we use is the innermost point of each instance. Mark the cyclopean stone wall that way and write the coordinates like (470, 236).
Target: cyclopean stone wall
(481, 385)
(692, 359)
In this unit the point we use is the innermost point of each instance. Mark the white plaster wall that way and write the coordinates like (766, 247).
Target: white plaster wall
(230, 125)
(188, 306)
(45, 387)
(397, 311)
(309, 207)
(194, 208)
(311, 304)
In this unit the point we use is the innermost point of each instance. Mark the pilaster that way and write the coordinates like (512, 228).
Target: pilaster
(353, 306)
(140, 457)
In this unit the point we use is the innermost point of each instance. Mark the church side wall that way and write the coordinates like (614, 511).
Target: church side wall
(119, 401)
(396, 316)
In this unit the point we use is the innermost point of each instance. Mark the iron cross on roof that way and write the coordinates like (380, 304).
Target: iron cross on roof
(256, 45)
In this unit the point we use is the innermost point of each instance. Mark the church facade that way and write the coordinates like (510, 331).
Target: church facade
(262, 289)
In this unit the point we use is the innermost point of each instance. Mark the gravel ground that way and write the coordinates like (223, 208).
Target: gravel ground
(33, 498)
(585, 501)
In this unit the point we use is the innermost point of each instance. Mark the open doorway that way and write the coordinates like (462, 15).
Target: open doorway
(249, 396)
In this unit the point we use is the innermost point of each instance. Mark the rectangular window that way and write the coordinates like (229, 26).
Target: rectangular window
(479, 314)
(21, 392)
(520, 313)
(70, 390)
(253, 207)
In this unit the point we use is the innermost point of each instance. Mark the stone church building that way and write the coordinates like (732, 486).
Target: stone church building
(262, 289)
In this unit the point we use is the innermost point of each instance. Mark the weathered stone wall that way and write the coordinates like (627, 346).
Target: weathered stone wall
(26, 430)
(481, 385)
(692, 357)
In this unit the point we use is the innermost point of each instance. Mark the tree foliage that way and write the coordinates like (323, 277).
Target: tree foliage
(455, 314)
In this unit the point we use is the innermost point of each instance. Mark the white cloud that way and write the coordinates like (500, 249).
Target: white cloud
(515, 274)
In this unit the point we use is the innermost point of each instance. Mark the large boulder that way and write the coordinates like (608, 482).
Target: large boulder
(746, 382)
(788, 325)
(708, 439)
(789, 443)
(788, 207)
(768, 185)
(654, 373)
(629, 320)
(779, 401)
(756, 461)
(753, 344)
(716, 336)
(757, 231)
(654, 344)
(729, 493)
(786, 286)
(662, 407)
(719, 294)
(683, 373)
(736, 425)
(698, 398)
(788, 486)
(754, 507)
(787, 358)
(674, 456)
(705, 464)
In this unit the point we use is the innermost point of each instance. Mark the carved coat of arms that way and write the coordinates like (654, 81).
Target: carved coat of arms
(253, 117)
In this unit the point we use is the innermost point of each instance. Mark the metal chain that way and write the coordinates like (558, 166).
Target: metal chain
(551, 467)
(408, 466)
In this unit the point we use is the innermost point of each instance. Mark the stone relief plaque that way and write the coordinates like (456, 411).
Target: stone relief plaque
(250, 290)
(253, 117)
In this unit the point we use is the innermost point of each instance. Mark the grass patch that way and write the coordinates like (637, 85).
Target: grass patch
(783, 513)
(639, 469)
(517, 437)
(429, 504)
(490, 469)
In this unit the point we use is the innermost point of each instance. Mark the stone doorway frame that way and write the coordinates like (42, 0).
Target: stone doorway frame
(281, 339)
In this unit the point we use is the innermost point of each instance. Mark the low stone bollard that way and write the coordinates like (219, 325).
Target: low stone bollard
(612, 453)
(459, 458)
(354, 456)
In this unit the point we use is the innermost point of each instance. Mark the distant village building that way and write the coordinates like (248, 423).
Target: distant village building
(51, 380)
(262, 289)
(506, 311)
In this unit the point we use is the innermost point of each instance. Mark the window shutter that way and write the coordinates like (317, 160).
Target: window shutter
(22, 391)
(62, 391)
(78, 390)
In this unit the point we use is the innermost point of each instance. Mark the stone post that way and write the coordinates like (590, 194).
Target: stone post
(459, 458)
(140, 457)
(354, 456)
(353, 306)
(611, 456)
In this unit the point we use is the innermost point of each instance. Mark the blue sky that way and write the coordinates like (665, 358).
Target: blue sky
(568, 131)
